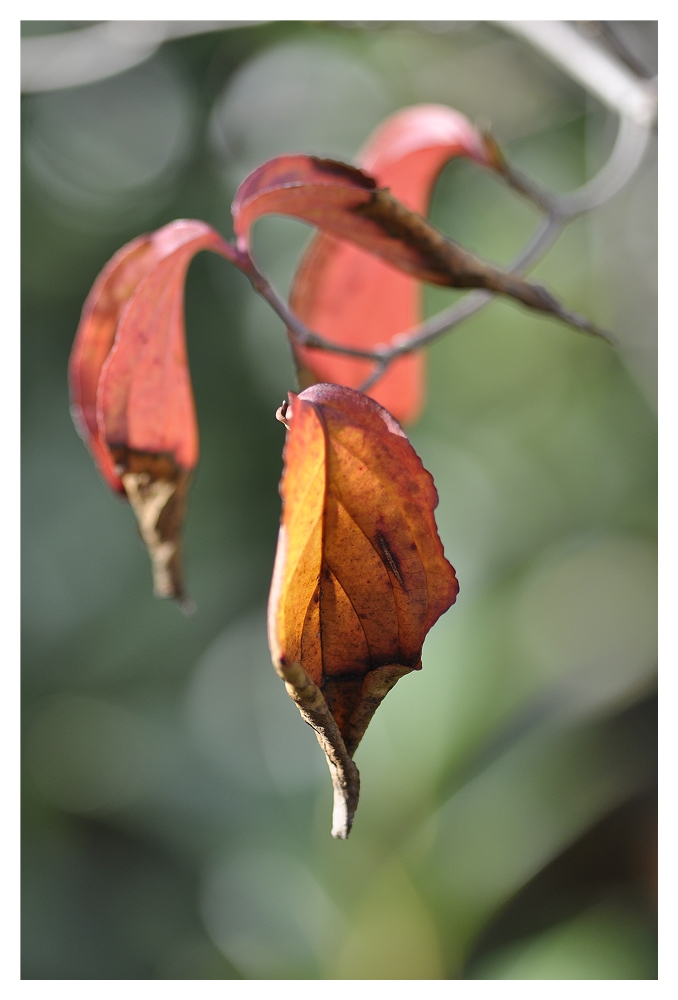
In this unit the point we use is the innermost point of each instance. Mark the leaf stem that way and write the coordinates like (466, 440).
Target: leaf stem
(345, 777)
(299, 332)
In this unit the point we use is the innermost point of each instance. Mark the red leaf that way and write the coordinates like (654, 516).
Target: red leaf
(93, 341)
(323, 192)
(345, 202)
(360, 574)
(354, 299)
(145, 400)
(131, 392)
(409, 149)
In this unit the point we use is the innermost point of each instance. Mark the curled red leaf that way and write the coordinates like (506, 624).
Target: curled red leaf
(322, 192)
(360, 574)
(101, 314)
(131, 393)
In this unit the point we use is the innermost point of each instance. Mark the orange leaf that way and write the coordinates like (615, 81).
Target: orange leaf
(360, 575)
(355, 299)
(131, 393)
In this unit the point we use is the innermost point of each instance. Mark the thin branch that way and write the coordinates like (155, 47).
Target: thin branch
(515, 178)
(377, 372)
(420, 335)
(546, 234)
(300, 333)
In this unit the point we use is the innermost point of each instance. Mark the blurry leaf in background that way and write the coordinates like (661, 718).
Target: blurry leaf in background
(86, 754)
(111, 152)
(296, 97)
(607, 942)
(393, 935)
(242, 720)
(593, 613)
(269, 915)
(528, 801)
(612, 863)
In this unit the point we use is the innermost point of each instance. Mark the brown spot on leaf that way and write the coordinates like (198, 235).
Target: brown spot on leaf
(345, 171)
(391, 559)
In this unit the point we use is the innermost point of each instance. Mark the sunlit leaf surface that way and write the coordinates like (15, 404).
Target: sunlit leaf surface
(360, 574)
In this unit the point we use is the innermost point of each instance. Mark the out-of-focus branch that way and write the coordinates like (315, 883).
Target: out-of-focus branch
(73, 58)
(625, 158)
(606, 33)
(591, 66)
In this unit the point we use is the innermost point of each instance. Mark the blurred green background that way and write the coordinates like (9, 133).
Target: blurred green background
(176, 811)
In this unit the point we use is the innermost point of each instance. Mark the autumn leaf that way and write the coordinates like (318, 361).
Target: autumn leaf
(346, 203)
(101, 313)
(131, 395)
(352, 298)
(360, 575)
